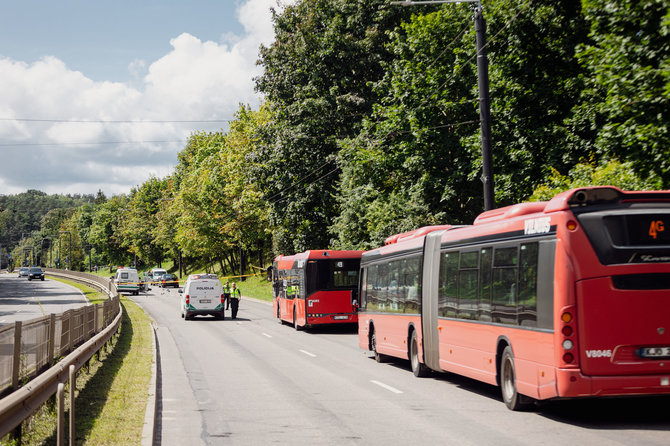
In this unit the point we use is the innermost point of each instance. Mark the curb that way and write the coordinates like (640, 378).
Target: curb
(149, 429)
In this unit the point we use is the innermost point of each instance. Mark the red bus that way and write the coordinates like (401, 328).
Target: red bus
(559, 299)
(316, 287)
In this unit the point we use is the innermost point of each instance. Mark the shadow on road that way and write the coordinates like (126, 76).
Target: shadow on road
(610, 413)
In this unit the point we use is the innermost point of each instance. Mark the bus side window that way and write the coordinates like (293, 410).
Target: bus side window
(411, 268)
(372, 303)
(468, 285)
(363, 298)
(395, 304)
(382, 286)
(505, 268)
(448, 293)
(486, 263)
(527, 309)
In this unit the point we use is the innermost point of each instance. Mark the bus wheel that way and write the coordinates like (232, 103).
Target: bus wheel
(419, 370)
(512, 398)
(373, 344)
(295, 321)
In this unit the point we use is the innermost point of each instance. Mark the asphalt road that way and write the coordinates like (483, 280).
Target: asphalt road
(252, 381)
(22, 299)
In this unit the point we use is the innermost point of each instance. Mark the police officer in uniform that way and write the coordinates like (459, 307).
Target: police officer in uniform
(226, 294)
(234, 299)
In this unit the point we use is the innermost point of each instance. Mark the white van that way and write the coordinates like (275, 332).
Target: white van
(156, 275)
(127, 280)
(202, 295)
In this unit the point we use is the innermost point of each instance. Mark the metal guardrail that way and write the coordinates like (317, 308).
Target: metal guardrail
(36, 343)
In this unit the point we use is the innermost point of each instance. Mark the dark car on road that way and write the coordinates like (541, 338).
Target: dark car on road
(35, 273)
(169, 280)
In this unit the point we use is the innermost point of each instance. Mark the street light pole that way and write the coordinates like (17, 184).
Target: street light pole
(484, 97)
(69, 258)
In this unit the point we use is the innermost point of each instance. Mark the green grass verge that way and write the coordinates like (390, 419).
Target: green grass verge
(111, 396)
(94, 296)
(256, 286)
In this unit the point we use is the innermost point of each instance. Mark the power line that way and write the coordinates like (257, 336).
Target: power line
(117, 121)
(88, 143)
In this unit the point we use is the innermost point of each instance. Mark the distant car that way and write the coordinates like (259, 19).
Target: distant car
(35, 273)
(157, 274)
(23, 271)
(169, 280)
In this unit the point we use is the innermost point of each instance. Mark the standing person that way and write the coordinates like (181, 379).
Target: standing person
(226, 294)
(235, 297)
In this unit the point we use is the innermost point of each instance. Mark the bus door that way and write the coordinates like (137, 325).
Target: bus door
(429, 293)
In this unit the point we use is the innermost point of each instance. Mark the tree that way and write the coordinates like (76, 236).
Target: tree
(408, 165)
(105, 233)
(139, 220)
(609, 173)
(625, 108)
(317, 78)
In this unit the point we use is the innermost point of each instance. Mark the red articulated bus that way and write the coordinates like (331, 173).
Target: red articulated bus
(316, 287)
(559, 299)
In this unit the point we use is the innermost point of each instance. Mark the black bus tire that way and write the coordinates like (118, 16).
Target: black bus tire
(420, 370)
(373, 346)
(511, 397)
(295, 321)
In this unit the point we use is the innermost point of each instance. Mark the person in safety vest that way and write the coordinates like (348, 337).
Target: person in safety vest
(235, 297)
(226, 294)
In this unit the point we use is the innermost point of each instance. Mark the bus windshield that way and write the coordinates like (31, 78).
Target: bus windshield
(332, 274)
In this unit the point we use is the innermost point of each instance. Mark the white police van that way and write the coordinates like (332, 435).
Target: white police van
(127, 280)
(202, 295)
(156, 275)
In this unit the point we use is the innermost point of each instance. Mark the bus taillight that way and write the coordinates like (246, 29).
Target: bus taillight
(223, 299)
(188, 299)
(571, 225)
(567, 330)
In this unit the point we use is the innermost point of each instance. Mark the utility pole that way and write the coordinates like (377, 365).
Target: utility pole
(484, 97)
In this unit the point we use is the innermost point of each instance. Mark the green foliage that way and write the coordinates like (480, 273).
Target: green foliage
(612, 173)
(140, 219)
(317, 77)
(535, 82)
(625, 108)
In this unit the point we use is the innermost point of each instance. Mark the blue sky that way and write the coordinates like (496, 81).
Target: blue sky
(102, 38)
(91, 92)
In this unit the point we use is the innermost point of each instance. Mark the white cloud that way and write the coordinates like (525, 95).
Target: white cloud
(195, 80)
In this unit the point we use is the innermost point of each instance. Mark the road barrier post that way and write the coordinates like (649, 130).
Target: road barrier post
(16, 365)
(60, 396)
(73, 386)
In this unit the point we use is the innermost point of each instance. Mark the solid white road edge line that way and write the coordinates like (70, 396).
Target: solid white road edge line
(386, 386)
(308, 353)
